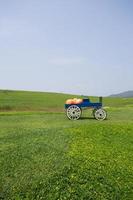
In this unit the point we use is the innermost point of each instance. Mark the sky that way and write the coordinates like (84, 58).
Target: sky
(70, 46)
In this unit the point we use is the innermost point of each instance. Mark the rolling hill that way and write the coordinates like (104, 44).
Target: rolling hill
(48, 102)
(127, 94)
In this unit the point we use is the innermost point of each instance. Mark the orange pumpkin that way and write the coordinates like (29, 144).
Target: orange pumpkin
(78, 101)
(74, 101)
(69, 101)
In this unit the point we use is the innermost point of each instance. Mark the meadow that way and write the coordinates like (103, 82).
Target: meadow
(43, 155)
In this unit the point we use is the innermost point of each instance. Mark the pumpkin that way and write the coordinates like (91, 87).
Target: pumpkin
(78, 101)
(69, 101)
(74, 101)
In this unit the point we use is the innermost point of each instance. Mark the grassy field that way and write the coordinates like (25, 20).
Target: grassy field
(51, 102)
(43, 155)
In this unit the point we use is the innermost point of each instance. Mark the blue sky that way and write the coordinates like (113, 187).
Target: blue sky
(71, 46)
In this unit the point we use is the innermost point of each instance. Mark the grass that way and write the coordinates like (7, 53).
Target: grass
(45, 156)
(51, 102)
(34, 101)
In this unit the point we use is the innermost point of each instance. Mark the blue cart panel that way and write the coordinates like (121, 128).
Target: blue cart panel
(86, 104)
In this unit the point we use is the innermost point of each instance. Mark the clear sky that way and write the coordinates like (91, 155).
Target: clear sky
(71, 46)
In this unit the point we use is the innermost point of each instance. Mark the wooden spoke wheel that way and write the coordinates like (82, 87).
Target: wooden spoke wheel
(73, 112)
(100, 114)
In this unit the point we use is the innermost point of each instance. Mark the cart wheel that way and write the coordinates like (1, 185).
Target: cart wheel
(73, 112)
(100, 114)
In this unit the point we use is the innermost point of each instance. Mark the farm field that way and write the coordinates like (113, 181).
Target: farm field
(43, 155)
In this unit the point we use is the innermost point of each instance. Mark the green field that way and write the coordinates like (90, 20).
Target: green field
(43, 155)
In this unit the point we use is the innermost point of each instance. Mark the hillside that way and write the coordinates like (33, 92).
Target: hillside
(25, 100)
(126, 94)
(49, 102)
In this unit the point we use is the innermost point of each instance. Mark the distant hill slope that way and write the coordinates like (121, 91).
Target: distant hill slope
(126, 94)
(32, 101)
(46, 101)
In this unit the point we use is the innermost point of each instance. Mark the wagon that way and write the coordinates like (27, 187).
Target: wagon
(74, 111)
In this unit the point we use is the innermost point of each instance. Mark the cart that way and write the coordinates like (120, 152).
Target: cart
(74, 111)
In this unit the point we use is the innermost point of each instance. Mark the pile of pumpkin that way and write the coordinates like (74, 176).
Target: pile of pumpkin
(74, 101)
